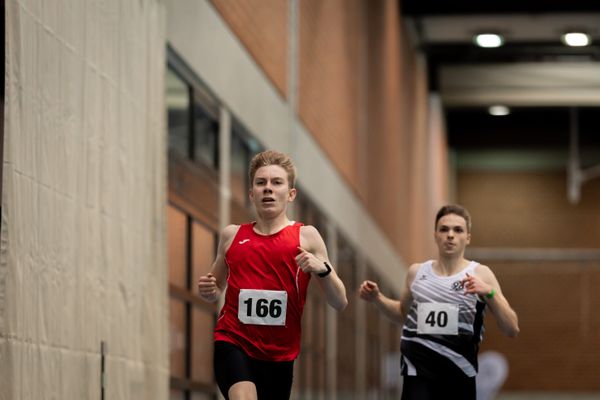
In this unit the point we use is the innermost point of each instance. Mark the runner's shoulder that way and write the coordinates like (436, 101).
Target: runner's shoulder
(228, 233)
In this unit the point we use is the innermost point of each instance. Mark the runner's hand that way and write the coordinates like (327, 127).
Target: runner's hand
(368, 291)
(207, 287)
(474, 285)
(309, 263)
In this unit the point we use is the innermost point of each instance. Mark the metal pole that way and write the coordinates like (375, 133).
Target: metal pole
(573, 170)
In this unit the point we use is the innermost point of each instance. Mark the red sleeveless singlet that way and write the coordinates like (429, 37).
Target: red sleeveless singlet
(263, 278)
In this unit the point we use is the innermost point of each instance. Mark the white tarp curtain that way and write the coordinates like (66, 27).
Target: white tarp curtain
(83, 247)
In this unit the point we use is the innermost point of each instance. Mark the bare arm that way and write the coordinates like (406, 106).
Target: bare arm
(394, 310)
(311, 259)
(211, 285)
(390, 308)
(482, 284)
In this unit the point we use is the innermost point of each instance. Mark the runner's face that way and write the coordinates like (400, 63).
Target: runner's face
(270, 191)
(451, 235)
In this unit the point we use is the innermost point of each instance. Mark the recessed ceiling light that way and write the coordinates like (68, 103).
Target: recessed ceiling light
(488, 40)
(576, 39)
(499, 110)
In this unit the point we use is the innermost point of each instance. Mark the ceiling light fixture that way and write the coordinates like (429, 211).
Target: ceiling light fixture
(488, 40)
(576, 39)
(498, 110)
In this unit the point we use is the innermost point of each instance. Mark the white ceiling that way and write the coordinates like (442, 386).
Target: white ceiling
(516, 28)
(521, 84)
(555, 79)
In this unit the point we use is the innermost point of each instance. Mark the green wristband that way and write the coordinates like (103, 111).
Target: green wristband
(491, 294)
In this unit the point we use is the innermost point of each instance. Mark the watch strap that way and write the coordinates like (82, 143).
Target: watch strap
(325, 273)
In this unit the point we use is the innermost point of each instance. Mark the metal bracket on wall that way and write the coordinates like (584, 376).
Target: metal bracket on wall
(102, 369)
(576, 176)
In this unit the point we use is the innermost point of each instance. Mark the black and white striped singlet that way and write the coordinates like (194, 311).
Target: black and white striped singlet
(433, 354)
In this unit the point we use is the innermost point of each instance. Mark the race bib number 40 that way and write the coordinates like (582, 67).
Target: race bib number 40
(262, 307)
(437, 319)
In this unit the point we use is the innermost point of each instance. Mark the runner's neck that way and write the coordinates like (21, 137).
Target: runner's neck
(269, 227)
(449, 267)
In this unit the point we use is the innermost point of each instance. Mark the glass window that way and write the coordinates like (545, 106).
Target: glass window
(203, 251)
(240, 157)
(177, 337)
(191, 320)
(178, 112)
(243, 148)
(193, 135)
(206, 136)
(177, 234)
(202, 345)
(309, 214)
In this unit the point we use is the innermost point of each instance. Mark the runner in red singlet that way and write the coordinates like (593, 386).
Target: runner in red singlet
(266, 266)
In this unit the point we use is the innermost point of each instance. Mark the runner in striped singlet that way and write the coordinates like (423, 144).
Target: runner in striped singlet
(442, 308)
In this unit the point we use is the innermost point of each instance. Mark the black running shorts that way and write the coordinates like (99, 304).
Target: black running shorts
(273, 379)
(421, 388)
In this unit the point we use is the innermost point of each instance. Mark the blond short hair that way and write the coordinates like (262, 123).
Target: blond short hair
(272, 157)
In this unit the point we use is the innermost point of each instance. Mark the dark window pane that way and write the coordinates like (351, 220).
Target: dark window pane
(309, 214)
(178, 107)
(206, 134)
(240, 157)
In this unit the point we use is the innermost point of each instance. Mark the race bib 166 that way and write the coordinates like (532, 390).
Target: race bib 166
(262, 307)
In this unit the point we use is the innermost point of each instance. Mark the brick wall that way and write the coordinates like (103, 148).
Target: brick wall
(386, 198)
(398, 142)
(362, 94)
(529, 210)
(262, 27)
(329, 75)
(558, 347)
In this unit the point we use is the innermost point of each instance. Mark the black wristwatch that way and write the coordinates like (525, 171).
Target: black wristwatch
(325, 273)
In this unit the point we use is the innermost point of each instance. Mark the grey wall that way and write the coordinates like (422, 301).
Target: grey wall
(83, 252)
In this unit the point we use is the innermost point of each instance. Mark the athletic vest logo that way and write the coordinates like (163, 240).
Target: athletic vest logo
(243, 241)
(457, 286)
